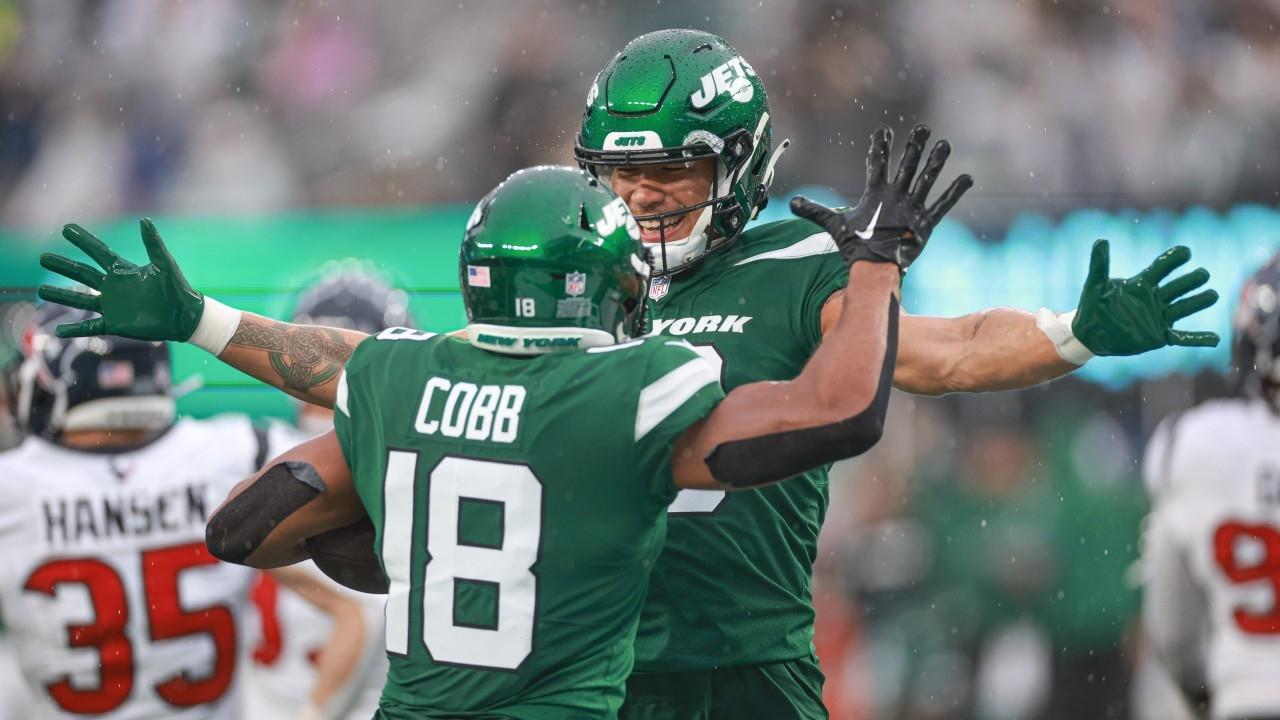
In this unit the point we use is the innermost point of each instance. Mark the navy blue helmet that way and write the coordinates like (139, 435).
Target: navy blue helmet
(1255, 346)
(93, 383)
(350, 296)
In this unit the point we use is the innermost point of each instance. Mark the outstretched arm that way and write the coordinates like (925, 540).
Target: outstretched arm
(996, 349)
(302, 360)
(155, 302)
(835, 408)
(1007, 349)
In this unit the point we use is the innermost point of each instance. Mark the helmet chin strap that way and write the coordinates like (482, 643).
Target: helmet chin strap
(690, 246)
(767, 178)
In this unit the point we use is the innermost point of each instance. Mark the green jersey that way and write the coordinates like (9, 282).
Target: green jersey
(520, 504)
(733, 584)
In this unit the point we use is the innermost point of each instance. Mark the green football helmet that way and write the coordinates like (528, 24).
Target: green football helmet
(552, 260)
(678, 96)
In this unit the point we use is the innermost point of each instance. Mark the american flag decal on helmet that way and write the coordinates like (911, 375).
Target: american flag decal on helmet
(477, 276)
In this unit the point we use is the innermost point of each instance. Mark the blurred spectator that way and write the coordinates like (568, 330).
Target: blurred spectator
(982, 549)
(130, 105)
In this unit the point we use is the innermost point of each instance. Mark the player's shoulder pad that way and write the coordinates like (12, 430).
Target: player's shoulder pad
(790, 239)
(645, 351)
(232, 433)
(675, 371)
(389, 343)
(220, 423)
(672, 352)
(19, 467)
(655, 356)
(1195, 437)
(25, 453)
(648, 348)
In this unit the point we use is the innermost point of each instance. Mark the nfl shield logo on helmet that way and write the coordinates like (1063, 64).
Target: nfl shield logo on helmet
(575, 283)
(658, 287)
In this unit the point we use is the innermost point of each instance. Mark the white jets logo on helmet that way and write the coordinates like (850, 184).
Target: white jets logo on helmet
(616, 215)
(733, 77)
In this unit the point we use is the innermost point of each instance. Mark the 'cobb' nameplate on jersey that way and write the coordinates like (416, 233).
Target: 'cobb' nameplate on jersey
(658, 288)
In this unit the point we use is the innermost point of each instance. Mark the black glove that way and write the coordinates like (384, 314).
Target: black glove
(890, 223)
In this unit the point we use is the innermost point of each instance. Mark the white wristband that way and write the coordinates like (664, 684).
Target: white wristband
(1058, 328)
(217, 324)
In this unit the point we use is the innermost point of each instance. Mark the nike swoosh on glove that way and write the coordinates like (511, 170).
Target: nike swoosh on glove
(891, 222)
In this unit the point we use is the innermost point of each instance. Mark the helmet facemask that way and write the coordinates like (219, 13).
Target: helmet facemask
(721, 217)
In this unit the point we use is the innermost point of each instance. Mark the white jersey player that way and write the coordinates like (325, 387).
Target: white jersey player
(1211, 553)
(292, 666)
(13, 691)
(113, 605)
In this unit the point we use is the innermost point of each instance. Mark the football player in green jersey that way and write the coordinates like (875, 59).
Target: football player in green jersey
(679, 124)
(517, 481)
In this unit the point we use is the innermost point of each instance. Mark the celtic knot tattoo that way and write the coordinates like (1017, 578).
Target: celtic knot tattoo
(304, 356)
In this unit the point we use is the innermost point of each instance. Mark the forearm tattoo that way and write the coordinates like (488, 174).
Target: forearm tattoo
(304, 356)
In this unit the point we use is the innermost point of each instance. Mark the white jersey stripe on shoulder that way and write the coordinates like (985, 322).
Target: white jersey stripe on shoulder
(816, 244)
(666, 394)
(340, 401)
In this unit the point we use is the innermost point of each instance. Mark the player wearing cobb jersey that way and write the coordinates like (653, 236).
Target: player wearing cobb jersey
(290, 671)
(517, 479)
(112, 602)
(1211, 553)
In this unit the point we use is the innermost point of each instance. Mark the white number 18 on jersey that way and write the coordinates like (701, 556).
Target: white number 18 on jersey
(505, 567)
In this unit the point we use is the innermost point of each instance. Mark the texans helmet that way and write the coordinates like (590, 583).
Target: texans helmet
(92, 383)
(349, 295)
(1255, 347)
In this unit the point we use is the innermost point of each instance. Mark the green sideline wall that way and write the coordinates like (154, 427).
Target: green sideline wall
(259, 264)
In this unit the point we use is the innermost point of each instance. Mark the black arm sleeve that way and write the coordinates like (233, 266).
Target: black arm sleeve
(240, 526)
(768, 458)
(347, 556)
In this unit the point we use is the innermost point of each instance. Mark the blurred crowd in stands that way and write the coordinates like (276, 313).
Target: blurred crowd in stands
(111, 107)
